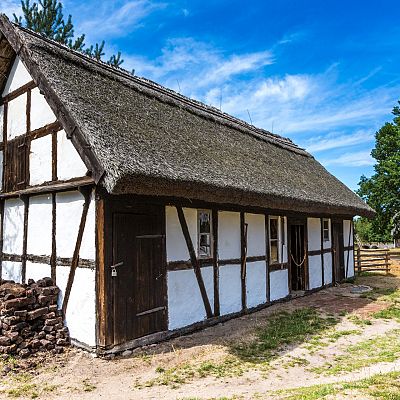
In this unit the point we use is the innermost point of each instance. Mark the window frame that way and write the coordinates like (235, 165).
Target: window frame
(281, 239)
(326, 230)
(200, 234)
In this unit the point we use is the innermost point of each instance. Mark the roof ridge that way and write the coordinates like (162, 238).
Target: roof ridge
(122, 73)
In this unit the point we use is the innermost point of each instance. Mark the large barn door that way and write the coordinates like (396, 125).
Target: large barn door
(138, 276)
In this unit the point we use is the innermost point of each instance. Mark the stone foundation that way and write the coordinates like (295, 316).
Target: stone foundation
(30, 320)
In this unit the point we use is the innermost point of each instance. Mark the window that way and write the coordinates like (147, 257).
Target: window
(204, 233)
(325, 230)
(277, 239)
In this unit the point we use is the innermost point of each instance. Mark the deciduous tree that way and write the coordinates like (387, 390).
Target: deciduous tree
(382, 190)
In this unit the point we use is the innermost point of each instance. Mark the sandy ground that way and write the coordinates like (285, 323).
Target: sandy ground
(79, 375)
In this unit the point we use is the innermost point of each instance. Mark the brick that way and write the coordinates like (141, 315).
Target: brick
(18, 302)
(62, 342)
(5, 341)
(37, 313)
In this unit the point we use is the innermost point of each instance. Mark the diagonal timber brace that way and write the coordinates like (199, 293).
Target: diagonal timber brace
(86, 191)
(194, 261)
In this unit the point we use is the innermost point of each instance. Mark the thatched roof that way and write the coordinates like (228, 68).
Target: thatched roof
(139, 137)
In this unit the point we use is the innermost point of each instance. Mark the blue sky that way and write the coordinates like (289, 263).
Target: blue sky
(323, 73)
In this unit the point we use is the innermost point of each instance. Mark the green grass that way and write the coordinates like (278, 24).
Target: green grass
(385, 294)
(383, 348)
(381, 386)
(356, 320)
(282, 329)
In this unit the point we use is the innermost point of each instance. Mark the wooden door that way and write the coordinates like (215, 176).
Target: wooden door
(139, 287)
(338, 251)
(298, 257)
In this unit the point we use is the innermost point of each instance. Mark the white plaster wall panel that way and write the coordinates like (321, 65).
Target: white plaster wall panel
(327, 268)
(185, 304)
(40, 160)
(40, 225)
(12, 271)
(1, 169)
(256, 292)
(88, 246)
(347, 230)
(328, 243)
(1, 121)
(284, 248)
(314, 234)
(314, 272)
(37, 271)
(230, 289)
(350, 268)
(16, 117)
(279, 284)
(81, 310)
(41, 113)
(175, 241)
(19, 76)
(69, 212)
(228, 235)
(255, 234)
(13, 226)
(69, 162)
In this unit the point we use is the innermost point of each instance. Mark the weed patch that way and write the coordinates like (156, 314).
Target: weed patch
(384, 348)
(283, 329)
(381, 386)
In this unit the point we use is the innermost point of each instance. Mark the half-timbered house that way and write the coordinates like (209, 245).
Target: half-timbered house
(155, 214)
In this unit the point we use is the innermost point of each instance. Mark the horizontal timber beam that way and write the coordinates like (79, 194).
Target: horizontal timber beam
(51, 187)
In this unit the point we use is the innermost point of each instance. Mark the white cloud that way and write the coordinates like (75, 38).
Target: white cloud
(9, 7)
(337, 140)
(351, 159)
(197, 66)
(114, 18)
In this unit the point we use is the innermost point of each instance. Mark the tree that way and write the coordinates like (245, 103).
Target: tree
(382, 190)
(47, 18)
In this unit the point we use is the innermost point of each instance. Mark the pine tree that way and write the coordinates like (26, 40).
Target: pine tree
(47, 18)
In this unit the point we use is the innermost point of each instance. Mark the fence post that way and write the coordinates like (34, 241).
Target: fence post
(387, 261)
(359, 260)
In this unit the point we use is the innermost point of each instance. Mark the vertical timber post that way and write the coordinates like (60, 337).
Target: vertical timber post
(215, 262)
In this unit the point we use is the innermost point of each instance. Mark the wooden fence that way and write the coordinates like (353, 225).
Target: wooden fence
(375, 259)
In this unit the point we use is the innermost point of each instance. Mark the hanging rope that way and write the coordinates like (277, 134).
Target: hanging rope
(299, 265)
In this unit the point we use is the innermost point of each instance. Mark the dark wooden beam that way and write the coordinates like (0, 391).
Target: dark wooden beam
(243, 255)
(45, 130)
(214, 219)
(194, 261)
(322, 252)
(51, 187)
(75, 257)
(53, 259)
(60, 261)
(25, 199)
(267, 269)
(18, 92)
(102, 325)
(1, 236)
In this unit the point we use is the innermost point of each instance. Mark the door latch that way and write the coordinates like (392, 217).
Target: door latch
(114, 269)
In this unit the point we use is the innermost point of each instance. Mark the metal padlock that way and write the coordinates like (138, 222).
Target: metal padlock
(113, 272)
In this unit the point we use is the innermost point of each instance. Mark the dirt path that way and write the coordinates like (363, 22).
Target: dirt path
(211, 363)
